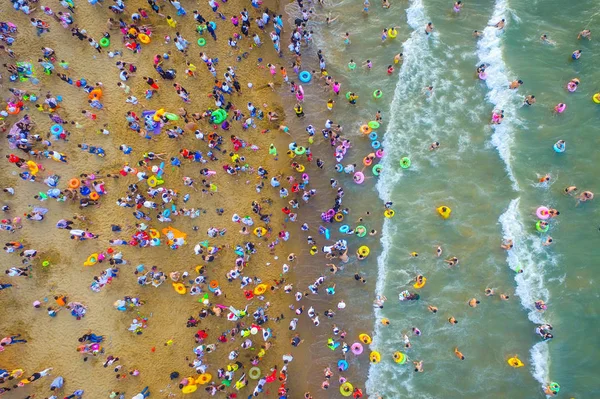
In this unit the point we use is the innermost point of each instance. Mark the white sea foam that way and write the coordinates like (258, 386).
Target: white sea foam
(528, 255)
(489, 52)
(411, 75)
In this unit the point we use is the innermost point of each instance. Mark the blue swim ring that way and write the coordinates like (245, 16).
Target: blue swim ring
(166, 213)
(339, 167)
(559, 149)
(373, 136)
(344, 228)
(305, 76)
(375, 144)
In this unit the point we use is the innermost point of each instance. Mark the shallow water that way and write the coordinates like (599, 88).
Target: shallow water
(488, 176)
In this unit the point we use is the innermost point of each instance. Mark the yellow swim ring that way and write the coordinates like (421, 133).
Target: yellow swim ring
(399, 357)
(365, 339)
(392, 33)
(152, 181)
(300, 168)
(260, 231)
(389, 213)
(260, 289)
(444, 211)
(189, 388)
(515, 362)
(91, 260)
(338, 217)
(144, 38)
(204, 378)
(154, 233)
(179, 288)
(417, 285)
(375, 357)
(363, 251)
(596, 98)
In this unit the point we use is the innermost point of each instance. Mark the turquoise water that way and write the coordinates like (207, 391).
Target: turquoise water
(488, 176)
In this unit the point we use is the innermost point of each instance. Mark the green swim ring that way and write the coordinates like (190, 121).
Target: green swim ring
(405, 163)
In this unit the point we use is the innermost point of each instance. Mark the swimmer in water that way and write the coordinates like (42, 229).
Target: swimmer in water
(473, 302)
(508, 244)
(429, 28)
(586, 33)
(504, 297)
(529, 100)
(438, 251)
(398, 58)
(385, 4)
(585, 196)
(489, 292)
(570, 190)
(515, 84)
(452, 320)
(432, 309)
(435, 145)
(452, 261)
(545, 179)
(457, 6)
(576, 54)
(458, 354)
(418, 366)
(476, 33)
(544, 39)
(500, 25)
(548, 241)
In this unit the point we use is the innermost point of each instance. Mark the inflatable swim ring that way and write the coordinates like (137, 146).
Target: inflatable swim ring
(373, 136)
(74, 183)
(144, 38)
(379, 153)
(367, 161)
(305, 76)
(260, 289)
(559, 147)
(104, 42)
(154, 233)
(365, 129)
(254, 373)
(91, 260)
(213, 285)
(179, 288)
(596, 98)
(542, 213)
(399, 357)
(405, 163)
(541, 229)
(515, 362)
(377, 94)
(189, 388)
(204, 378)
(417, 285)
(260, 231)
(365, 339)
(377, 169)
(300, 150)
(346, 389)
(373, 125)
(389, 213)
(95, 94)
(342, 365)
(560, 108)
(360, 231)
(359, 177)
(375, 357)
(392, 33)
(482, 75)
(356, 348)
(201, 42)
(152, 181)
(94, 196)
(344, 228)
(375, 144)
(56, 129)
(364, 251)
(300, 168)
(339, 168)
(444, 211)
(338, 217)
(554, 387)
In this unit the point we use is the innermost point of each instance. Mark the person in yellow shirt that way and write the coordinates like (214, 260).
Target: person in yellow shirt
(172, 23)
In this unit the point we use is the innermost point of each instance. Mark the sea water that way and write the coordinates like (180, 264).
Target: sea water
(489, 176)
